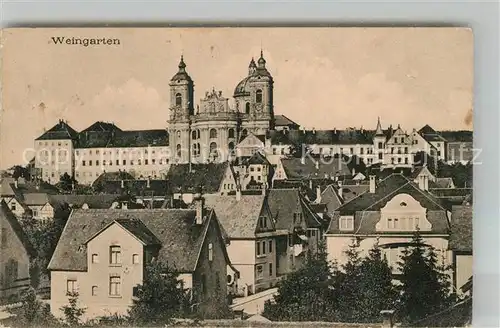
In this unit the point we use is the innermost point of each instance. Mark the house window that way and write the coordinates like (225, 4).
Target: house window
(263, 247)
(71, 286)
(260, 271)
(263, 222)
(416, 223)
(270, 269)
(114, 286)
(94, 290)
(115, 255)
(389, 223)
(270, 246)
(83, 163)
(213, 133)
(258, 96)
(90, 163)
(13, 206)
(95, 258)
(346, 223)
(178, 99)
(396, 223)
(231, 133)
(380, 145)
(258, 248)
(406, 160)
(210, 252)
(380, 156)
(135, 258)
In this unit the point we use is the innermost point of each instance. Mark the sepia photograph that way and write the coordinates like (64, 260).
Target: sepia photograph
(236, 177)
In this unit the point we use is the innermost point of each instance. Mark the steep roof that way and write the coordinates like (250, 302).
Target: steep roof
(461, 229)
(34, 199)
(209, 176)
(256, 159)
(238, 218)
(135, 187)
(9, 217)
(282, 120)
(294, 168)
(113, 176)
(101, 127)
(330, 197)
(444, 182)
(118, 138)
(180, 238)
(101, 201)
(60, 131)
(283, 203)
(457, 136)
(135, 227)
(385, 191)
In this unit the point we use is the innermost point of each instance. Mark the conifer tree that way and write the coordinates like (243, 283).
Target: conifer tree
(377, 291)
(425, 288)
(306, 294)
(348, 285)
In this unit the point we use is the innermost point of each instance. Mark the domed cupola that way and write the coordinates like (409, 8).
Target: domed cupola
(181, 74)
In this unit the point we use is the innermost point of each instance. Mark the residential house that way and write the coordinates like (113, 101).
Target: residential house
(461, 244)
(145, 191)
(102, 255)
(101, 201)
(15, 254)
(435, 139)
(250, 144)
(252, 235)
(398, 152)
(11, 198)
(389, 214)
(254, 172)
(304, 228)
(39, 205)
(184, 180)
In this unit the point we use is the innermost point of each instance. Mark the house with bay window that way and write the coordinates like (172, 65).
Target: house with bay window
(389, 214)
(102, 254)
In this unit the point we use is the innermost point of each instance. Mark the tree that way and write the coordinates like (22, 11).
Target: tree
(425, 288)
(34, 312)
(72, 312)
(306, 294)
(349, 285)
(377, 291)
(159, 298)
(422, 158)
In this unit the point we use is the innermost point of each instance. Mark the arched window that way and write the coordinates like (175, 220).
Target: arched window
(197, 134)
(258, 96)
(247, 108)
(244, 133)
(178, 99)
(178, 134)
(231, 146)
(178, 149)
(195, 149)
(198, 149)
(231, 133)
(193, 135)
(213, 133)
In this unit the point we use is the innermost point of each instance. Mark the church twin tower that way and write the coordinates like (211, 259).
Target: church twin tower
(211, 131)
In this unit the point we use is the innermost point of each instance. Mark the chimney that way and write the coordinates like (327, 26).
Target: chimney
(124, 205)
(317, 165)
(199, 203)
(423, 182)
(387, 316)
(123, 184)
(310, 184)
(318, 194)
(238, 194)
(353, 171)
(372, 184)
(303, 160)
(15, 183)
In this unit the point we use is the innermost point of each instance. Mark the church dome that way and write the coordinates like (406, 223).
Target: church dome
(181, 75)
(255, 73)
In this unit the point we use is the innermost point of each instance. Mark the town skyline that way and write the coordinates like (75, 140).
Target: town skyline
(128, 85)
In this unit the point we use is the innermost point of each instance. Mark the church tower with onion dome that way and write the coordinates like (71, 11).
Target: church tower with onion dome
(254, 98)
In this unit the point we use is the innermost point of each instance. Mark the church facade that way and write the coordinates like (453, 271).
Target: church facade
(211, 131)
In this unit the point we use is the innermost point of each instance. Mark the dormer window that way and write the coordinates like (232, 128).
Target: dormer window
(346, 223)
(210, 252)
(262, 222)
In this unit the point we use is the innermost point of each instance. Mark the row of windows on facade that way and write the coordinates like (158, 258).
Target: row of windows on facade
(261, 247)
(347, 223)
(140, 151)
(161, 161)
(46, 143)
(258, 97)
(115, 255)
(114, 287)
(195, 134)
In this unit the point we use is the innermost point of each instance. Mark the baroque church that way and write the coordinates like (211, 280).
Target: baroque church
(212, 130)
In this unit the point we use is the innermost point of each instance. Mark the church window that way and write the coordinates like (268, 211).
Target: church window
(197, 134)
(178, 134)
(406, 160)
(231, 145)
(244, 133)
(231, 133)
(213, 150)
(380, 145)
(380, 156)
(178, 99)
(247, 108)
(193, 135)
(258, 96)
(213, 133)
(178, 148)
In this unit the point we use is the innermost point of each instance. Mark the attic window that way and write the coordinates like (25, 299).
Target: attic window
(402, 204)
(346, 223)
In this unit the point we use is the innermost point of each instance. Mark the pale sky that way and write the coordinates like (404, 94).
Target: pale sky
(324, 77)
